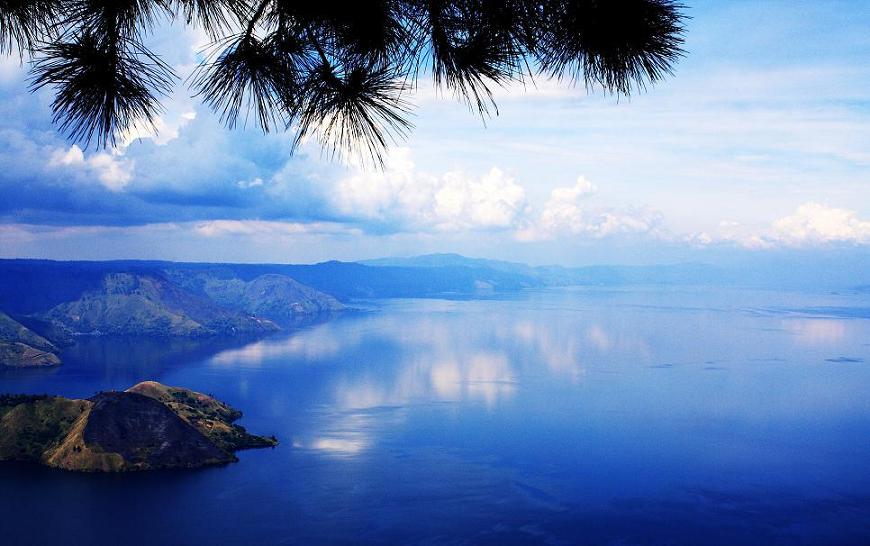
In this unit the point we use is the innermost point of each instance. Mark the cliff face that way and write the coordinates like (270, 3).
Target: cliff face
(137, 304)
(20, 347)
(273, 296)
(123, 431)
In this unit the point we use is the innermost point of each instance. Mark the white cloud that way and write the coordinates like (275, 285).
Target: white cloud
(563, 208)
(814, 223)
(253, 183)
(73, 156)
(566, 214)
(110, 169)
(12, 70)
(179, 111)
(33, 232)
(729, 231)
(405, 197)
(114, 173)
(219, 228)
(164, 130)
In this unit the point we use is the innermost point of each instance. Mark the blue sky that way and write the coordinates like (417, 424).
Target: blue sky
(760, 144)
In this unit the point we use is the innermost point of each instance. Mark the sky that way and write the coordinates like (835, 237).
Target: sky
(758, 146)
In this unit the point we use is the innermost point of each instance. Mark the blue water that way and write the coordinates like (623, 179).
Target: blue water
(642, 416)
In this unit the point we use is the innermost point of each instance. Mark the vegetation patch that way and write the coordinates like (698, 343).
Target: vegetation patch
(147, 427)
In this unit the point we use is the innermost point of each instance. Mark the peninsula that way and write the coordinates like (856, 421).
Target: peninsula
(149, 426)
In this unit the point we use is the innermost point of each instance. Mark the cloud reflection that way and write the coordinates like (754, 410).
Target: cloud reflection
(341, 446)
(489, 377)
(315, 344)
(816, 332)
(486, 377)
(438, 357)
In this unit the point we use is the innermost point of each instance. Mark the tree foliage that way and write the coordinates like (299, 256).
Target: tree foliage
(337, 71)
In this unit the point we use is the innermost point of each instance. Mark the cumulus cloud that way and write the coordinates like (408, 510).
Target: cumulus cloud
(73, 156)
(164, 129)
(811, 225)
(567, 214)
(403, 197)
(111, 170)
(814, 223)
(731, 232)
(178, 112)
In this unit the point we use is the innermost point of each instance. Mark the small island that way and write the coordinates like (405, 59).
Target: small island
(149, 426)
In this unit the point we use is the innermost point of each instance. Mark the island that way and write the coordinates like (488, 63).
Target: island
(149, 426)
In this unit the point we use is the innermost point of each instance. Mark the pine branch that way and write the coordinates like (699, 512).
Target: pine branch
(332, 69)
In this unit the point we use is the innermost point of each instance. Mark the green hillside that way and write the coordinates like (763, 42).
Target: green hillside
(150, 426)
(148, 305)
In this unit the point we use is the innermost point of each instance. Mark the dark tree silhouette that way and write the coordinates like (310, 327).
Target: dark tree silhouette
(338, 71)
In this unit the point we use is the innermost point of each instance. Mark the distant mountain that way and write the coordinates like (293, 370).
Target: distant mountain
(21, 347)
(52, 283)
(150, 426)
(272, 296)
(255, 289)
(60, 300)
(348, 280)
(452, 260)
(149, 305)
(33, 287)
(555, 275)
(197, 299)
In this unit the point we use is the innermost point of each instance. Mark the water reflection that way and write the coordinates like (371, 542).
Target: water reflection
(488, 377)
(96, 363)
(599, 338)
(441, 357)
(318, 343)
(347, 436)
(816, 332)
(605, 417)
(138, 355)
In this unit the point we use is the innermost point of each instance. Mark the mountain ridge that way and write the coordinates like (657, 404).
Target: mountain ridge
(142, 304)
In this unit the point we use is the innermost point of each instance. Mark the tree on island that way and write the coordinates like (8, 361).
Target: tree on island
(340, 72)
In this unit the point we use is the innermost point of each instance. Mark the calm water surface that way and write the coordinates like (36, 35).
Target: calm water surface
(643, 416)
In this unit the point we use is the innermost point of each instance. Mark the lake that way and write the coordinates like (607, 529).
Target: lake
(586, 416)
